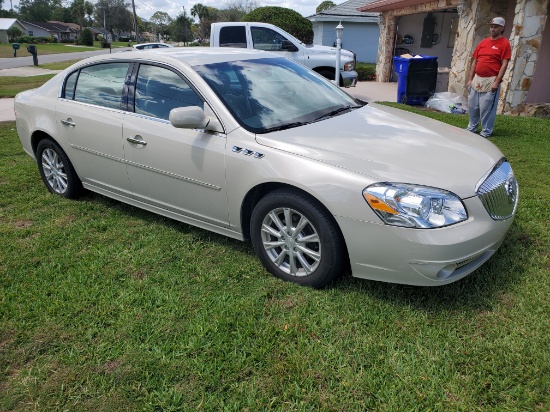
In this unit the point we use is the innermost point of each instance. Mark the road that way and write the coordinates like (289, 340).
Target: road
(13, 62)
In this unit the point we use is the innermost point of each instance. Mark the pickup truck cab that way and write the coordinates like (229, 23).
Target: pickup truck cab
(264, 36)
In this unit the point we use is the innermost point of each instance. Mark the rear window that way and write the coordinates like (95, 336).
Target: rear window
(233, 36)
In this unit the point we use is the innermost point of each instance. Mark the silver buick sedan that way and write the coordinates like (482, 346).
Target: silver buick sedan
(260, 148)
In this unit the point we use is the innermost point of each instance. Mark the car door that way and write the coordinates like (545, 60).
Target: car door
(180, 170)
(264, 38)
(89, 118)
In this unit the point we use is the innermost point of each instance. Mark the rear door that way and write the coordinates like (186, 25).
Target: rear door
(89, 117)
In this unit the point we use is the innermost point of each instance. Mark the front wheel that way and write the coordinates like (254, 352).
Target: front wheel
(56, 170)
(296, 239)
(330, 74)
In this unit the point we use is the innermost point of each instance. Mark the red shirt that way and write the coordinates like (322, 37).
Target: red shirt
(489, 54)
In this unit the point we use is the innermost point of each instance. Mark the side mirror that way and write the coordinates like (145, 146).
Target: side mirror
(194, 117)
(287, 45)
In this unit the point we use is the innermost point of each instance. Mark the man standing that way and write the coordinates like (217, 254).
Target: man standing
(491, 58)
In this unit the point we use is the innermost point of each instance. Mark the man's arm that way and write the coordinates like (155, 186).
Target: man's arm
(472, 72)
(500, 74)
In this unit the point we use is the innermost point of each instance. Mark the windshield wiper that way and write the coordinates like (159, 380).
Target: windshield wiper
(285, 126)
(336, 111)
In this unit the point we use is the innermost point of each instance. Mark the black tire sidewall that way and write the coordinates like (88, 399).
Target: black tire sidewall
(332, 245)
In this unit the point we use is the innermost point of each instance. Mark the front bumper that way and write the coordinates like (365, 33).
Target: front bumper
(349, 78)
(423, 257)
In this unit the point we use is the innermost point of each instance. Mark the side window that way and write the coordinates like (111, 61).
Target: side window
(101, 84)
(159, 90)
(69, 85)
(233, 36)
(266, 39)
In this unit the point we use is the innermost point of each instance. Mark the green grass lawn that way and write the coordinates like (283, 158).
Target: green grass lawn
(107, 307)
(6, 50)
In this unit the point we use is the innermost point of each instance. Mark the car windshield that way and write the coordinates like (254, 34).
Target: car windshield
(271, 94)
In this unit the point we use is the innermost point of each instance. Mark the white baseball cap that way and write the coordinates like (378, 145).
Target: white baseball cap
(499, 21)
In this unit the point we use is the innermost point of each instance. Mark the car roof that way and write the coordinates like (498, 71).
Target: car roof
(193, 56)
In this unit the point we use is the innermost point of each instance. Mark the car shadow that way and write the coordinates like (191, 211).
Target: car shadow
(476, 292)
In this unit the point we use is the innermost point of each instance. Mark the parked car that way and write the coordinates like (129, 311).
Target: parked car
(147, 46)
(256, 146)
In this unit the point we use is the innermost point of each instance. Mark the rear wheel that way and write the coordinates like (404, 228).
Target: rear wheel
(296, 239)
(56, 170)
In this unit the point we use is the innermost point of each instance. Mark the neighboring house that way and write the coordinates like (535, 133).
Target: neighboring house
(361, 30)
(459, 26)
(75, 27)
(6, 24)
(45, 29)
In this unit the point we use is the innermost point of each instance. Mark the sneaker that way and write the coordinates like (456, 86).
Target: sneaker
(485, 135)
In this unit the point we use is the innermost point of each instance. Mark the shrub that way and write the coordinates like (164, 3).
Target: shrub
(289, 20)
(86, 38)
(365, 71)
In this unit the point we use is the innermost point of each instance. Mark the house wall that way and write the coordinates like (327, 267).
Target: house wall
(37, 31)
(413, 24)
(360, 38)
(540, 87)
(3, 36)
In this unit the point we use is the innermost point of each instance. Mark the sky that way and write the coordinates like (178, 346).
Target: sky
(146, 8)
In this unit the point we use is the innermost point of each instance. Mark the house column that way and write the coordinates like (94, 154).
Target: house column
(529, 21)
(384, 61)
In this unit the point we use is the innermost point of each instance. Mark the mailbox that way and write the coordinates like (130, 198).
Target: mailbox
(31, 48)
(15, 46)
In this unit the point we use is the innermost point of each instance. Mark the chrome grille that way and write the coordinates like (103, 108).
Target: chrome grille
(499, 191)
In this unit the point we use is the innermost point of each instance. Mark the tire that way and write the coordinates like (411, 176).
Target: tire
(284, 251)
(56, 170)
(329, 75)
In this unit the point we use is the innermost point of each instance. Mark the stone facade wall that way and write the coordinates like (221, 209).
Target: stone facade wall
(529, 22)
(525, 39)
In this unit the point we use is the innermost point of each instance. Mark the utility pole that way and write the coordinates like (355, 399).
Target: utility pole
(136, 28)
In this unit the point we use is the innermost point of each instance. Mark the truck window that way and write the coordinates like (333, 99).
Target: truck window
(233, 36)
(266, 39)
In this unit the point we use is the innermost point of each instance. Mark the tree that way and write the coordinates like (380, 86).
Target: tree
(180, 28)
(160, 20)
(37, 10)
(80, 9)
(115, 13)
(205, 15)
(13, 32)
(327, 4)
(235, 10)
(287, 19)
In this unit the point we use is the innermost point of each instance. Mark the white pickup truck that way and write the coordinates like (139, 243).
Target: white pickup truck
(264, 36)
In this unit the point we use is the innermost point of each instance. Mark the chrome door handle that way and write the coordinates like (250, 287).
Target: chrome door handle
(68, 122)
(137, 140)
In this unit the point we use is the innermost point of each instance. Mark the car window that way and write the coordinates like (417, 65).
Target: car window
(233, 36)
(101, 84)
(266, 39)
(159, 90)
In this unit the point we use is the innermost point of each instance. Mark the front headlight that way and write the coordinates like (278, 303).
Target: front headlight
(349, 66)
(407, 205)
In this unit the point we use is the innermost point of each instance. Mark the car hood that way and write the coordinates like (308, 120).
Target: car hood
(392, 145)
(316, 49)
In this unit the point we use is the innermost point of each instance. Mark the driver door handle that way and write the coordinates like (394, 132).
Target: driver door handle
(137, 140)
(69, 122)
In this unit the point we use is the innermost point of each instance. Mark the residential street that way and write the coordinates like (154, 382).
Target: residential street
(10, 63)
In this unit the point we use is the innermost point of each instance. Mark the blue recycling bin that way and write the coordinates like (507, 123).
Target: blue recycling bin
(416, 78)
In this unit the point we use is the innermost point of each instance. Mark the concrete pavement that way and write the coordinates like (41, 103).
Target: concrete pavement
(367, 91)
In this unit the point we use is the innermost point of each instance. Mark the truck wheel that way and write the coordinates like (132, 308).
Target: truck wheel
(329, 74)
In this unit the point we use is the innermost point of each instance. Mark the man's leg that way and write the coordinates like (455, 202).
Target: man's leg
(488, 105)
(473, 109)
